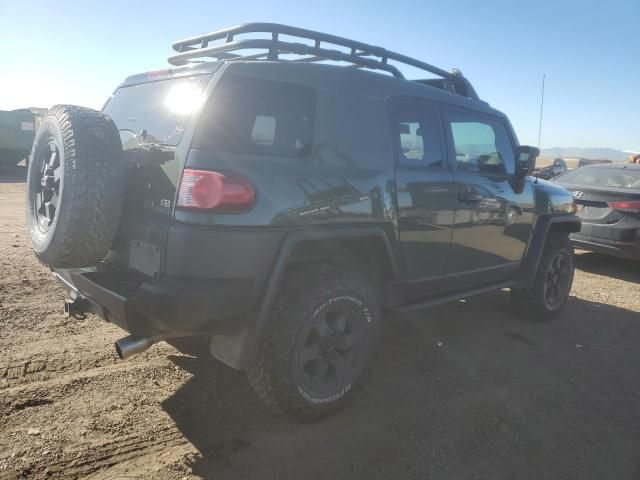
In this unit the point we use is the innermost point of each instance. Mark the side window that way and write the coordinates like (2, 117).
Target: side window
(258, 116)
(417, 136)
(411, 144)
(481, 145)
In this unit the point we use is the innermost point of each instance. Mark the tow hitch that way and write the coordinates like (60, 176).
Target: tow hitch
(75, 307)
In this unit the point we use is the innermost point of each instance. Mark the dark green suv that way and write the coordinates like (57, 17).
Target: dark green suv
(278, 203)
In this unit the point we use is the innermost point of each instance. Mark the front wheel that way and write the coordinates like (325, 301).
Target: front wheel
(553, 281)
(321, 342)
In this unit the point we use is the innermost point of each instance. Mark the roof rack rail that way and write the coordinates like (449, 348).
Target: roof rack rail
(359, 55)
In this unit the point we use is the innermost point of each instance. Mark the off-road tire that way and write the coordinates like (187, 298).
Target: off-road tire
(532, 304)
(307, 293)
(90, 187)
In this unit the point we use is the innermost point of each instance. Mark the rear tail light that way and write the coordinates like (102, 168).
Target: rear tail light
(632, 206)
(205, 190)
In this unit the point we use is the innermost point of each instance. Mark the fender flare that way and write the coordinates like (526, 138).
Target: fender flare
(568, 222)
(236, 349)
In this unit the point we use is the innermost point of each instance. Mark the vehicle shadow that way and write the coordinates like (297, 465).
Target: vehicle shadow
(599, 264)
(460, 391)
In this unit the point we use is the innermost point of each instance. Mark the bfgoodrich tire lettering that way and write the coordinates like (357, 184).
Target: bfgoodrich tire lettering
(75, 187)
(320, 344)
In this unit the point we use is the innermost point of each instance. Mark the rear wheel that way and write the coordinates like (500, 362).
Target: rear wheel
(552, 283)
(321, 342)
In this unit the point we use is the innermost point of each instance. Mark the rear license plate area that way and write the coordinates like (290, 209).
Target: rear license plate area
(145, 258)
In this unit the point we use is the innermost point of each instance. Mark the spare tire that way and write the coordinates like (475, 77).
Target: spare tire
(75, 187)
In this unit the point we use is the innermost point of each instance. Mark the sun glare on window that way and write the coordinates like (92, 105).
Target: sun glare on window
(183, 98)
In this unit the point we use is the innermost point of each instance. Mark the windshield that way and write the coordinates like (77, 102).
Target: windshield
(603, 177)
(156, 112)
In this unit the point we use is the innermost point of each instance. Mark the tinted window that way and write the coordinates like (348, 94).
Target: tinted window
(417, 136)
(411, 143)
(603, 177)
(161, 108)
(258, 116)
(481, 145)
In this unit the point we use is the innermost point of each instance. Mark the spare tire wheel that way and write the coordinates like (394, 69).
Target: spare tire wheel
(75, 187)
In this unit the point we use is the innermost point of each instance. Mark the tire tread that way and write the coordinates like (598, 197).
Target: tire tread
(93, 189)
(268, 372)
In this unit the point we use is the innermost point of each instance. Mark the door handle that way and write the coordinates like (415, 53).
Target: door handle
(468, 196)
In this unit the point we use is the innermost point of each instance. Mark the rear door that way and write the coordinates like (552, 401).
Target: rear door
(425, 194)
(493, 214)
(155, 112)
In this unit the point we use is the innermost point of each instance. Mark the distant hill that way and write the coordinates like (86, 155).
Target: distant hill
(594, 153)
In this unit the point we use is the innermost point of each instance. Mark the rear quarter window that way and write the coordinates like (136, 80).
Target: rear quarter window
(258, 116)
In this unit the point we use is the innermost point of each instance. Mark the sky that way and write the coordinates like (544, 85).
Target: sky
(77, 52)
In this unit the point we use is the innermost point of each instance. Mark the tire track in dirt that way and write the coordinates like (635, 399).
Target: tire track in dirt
(68, 407)
(80, 463)
(48, 365)
(103, 417)
(46, 392)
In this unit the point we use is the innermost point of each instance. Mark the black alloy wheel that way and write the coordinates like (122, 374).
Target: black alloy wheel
(47, 195)
(552, 283)
(324, 330)
(557, 279)
(329, 349)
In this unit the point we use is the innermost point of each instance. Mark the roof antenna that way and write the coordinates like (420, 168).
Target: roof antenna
(541, 107)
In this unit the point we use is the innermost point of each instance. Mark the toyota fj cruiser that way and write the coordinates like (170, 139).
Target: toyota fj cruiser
(278, 203)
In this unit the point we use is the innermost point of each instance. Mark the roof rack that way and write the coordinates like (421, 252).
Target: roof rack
(222, 45)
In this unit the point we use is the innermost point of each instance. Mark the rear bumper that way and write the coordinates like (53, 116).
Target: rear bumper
(146, 307)
(616, 248)
(621, 239)
(206, 280)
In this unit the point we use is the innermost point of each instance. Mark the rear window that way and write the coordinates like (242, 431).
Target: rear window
(258, 116)
(161, 109)
(603, 177)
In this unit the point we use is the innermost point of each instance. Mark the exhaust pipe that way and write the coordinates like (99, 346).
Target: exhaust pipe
(128, 346)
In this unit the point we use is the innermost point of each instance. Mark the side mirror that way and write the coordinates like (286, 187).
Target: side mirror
(526, 160)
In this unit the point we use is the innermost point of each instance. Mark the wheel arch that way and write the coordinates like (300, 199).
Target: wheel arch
(545, 224)
(331, 244)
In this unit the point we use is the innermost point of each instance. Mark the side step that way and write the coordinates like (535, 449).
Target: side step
(413, 307)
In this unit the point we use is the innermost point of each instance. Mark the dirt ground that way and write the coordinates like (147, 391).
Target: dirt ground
(463, 391)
